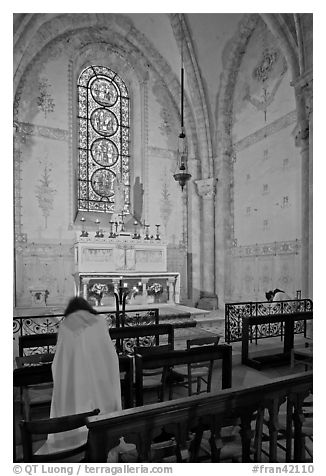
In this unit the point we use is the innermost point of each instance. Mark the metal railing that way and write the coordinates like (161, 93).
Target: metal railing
(234, 312)
(29, 325)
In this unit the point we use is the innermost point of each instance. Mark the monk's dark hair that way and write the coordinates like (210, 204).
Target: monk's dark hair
(78, 303)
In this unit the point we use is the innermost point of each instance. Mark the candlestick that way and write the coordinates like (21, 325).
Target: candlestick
(83, 232)
(135, 231)
(147, 234)
(112, 235)
(99, 233)
(157, 232)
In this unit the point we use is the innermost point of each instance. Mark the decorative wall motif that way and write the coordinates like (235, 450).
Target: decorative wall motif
(270, 129)
(166, 201)
(25, 129)
(267, 98)
(206, 188)
(44, 266)
(45, 193)
(265, 65)
(45, 101)
(268, 73)
(166, 127)
(267, 249)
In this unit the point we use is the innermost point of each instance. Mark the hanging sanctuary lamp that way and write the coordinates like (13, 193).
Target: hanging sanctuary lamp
(181, 175)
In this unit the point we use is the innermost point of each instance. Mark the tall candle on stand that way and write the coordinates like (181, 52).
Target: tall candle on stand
(147, 235)
(84, 232)
(157, 232)
(97, 221)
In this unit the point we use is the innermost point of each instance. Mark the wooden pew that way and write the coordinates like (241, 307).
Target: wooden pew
(119, 334)
(44, 340)
(276, 359)
(25, 377)
(138, 425)
(37, 374)
(166, 360)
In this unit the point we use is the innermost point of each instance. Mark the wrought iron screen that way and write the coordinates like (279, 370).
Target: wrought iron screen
(234, 312)
(50, 324)
(103, 141)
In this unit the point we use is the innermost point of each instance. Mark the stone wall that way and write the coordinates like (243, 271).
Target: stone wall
(46, 160)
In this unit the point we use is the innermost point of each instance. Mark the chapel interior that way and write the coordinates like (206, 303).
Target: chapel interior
(163, 171)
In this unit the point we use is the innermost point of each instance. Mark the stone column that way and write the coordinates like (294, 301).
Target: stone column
(84, 287)
(170, 285)
(144, 282)
(303, 138)
(206, 190)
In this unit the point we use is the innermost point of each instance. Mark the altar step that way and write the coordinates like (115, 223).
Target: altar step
(190, 323)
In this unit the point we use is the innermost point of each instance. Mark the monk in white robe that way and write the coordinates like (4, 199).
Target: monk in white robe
(85, 372)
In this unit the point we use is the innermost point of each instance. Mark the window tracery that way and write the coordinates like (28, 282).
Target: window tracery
(103, 140)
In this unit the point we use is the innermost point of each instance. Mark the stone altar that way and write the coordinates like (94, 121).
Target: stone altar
(102, 264)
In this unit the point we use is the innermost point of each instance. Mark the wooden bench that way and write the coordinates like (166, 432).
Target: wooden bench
(167, 360)
(30, 429)
(135, 336)
(282, 358)
(46, 341)
(139, 425)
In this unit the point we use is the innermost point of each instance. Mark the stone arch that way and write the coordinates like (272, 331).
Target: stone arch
(114, 29)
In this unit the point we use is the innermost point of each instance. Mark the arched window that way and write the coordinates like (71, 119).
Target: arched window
(103, 141)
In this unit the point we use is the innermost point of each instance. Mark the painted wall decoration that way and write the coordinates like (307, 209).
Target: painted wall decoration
(45, 193)
(266, 226)
(47, 129)
(45, 100)
(168, 123)
(166, 200)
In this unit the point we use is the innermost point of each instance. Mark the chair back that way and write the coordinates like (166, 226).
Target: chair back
(168, 359)
(196, 342)
(52, 425)
(44, 340)
(131, 337)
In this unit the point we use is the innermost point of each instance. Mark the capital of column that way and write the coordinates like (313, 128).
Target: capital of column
(301, 135)
(206, 188)
(303, 86)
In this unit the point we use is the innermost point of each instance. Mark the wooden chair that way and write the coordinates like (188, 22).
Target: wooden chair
(48, 426)
(131, 337)
(35, 394)
(45, 341)
(154, 379)
(197, 372)
(126, 367)
(165, 361)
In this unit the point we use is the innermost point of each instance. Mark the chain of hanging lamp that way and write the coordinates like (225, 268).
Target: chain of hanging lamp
(182, 176)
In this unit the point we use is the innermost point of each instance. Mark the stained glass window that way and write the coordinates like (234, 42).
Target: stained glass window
(103, 144)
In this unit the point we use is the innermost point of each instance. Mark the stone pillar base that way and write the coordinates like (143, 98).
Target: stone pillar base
(208, 302)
